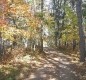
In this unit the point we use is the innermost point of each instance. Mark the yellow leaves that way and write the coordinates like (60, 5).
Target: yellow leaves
(8, 32)
(9, 1)
(3, 27)
(25, 33)
(34, 22)
(20, 9)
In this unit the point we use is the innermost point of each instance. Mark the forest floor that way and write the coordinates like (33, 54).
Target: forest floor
(53, 66)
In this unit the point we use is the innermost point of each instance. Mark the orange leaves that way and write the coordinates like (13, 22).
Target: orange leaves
(12, 9)
(3, 5)
(3, 12)
(2, 22)
(19, 9)
(3, 1)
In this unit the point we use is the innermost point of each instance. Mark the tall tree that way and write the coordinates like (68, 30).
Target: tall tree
(81, 32)
(59, 14)
(41, 28)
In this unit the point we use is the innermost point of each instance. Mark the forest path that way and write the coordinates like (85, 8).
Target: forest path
(55, 66)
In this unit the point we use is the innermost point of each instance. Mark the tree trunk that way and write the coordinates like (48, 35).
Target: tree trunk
(41, 30)
(55, 39)
(74, 44)
(81, 32)
(1, 45)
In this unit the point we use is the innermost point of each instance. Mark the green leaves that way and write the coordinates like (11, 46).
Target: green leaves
(70, 30)
(84, 9)
(39, 15)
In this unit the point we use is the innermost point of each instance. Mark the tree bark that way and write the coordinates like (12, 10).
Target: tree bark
(81, 32)
(41, 29)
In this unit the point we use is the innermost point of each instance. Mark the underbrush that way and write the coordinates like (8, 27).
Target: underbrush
(18, 64)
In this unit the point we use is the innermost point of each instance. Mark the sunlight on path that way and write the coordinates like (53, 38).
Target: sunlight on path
(55, 67)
